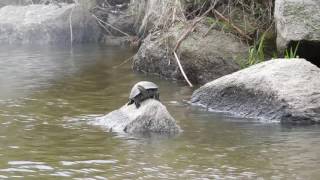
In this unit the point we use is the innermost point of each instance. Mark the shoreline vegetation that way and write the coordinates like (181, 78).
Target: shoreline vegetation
(251, 22)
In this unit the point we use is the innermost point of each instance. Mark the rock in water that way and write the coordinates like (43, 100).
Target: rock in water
(152, 116)
(203, 58)
(46, 24)
(280, 89)
(14, 2)
(297, 20)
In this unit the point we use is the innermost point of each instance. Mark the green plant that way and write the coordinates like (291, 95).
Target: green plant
(289, 54)
(256, 52)
(274, 55)
(210, 20)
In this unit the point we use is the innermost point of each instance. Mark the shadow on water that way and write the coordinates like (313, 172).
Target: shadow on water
(48, 95)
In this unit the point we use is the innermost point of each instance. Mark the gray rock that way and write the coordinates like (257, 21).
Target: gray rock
(14, 2)
(121, 41)
(46, 24)
(155, 14)
(296, 20)
(203, 58)
(123, 21)
(280, 89)
(151, 116)
(88, 4)
(118, 16)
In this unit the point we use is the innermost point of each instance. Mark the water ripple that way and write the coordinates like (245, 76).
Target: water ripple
(70, 163)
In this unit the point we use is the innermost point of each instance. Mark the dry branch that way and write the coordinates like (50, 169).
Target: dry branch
(70, 26)
(103, 22)
(243, 34)
(181, 69)
(124, 62)
(191, 28)
(187, 32)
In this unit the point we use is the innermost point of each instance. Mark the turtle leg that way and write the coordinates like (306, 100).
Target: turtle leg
(130, 102)
(157, 96)
(137, 104)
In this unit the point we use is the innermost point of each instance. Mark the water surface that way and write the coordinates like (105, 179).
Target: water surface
(49, 95)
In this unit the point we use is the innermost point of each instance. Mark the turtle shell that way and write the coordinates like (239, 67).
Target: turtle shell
(146, 84)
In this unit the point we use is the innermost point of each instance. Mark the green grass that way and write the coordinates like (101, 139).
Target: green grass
(256, 53)
(289, 54)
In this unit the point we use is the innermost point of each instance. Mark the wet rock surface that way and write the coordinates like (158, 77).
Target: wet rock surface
(152, 116)
(47, 24)
(281, 89)
(203, 58)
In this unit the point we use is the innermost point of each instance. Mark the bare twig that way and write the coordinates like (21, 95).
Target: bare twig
(232, 25)
(104, 27)
(70, 25)
(181, 69)
(187, 32)
(211, 26)
(124, 62)
(174, 11)
(191, 28)
(126, 34)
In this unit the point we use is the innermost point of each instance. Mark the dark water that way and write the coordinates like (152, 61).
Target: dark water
(49, 95)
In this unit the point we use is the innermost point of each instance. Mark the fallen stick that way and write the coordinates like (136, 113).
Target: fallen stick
(181, 69)
(70, 26)
(211, 26)
(104, 27)
(174, 12)
(124, 62)
(126, 34)
(187, 32)
(191, 28)
(232, 25)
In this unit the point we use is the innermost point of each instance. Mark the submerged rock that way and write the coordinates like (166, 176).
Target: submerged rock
(280, 89)
(203, 58)
(151, 116)
(46, 24)
(296, 20)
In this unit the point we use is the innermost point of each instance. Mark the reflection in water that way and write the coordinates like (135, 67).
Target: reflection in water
(48, 95)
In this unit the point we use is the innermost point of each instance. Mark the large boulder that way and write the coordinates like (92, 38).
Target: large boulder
(151, 116)
(117, 17)
(280, 89)
(203, 58)
(155, 14)
(47, 24)
(297, 20)
(14, 2)
(124, 22)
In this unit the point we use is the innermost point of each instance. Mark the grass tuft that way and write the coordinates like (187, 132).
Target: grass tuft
(256, 53)
(289, 54)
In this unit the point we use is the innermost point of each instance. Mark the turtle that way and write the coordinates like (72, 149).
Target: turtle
(141, 91)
